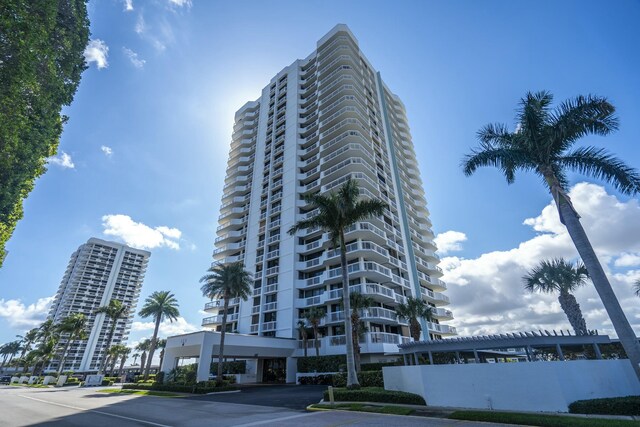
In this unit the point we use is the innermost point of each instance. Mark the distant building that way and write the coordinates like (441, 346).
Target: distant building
(98, 272)
(320, 121)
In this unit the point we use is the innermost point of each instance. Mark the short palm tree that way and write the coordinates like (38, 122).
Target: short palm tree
(542, 143)
(144, 347)
(160, 305)
(162, 343)
(46, 330)
(9, 350)
(135, 357)
(225, 281)
(27, 340)
(124, 354)
(43, 354)
(559, 275)
(337, 211)
(302, 330)
(359, 302)
(118, 352)
(114, 312)
(314, 316)
(74, 327)
(413, 310)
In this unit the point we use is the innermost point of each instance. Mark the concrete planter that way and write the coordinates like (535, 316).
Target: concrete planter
(48, 380)
(33, 380)
(23, 380)
(61, 380)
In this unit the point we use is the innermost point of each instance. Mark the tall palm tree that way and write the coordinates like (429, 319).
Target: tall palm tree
(160, 305)
(124, 354)
(413, 310)
(46, 330)
(27, 340)
(314, 316)
(558, 275)
(114, 312)
(116, 352)
(337, 211)
(43, 354)
(225, 281)
(144, 347)
(359, 302)
(302, 330)
(74, 327)
(542, 143)
(9, 350)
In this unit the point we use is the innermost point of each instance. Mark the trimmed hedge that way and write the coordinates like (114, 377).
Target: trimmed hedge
(233, 367)
(199, 388)
(629, 405)
(365, 378)
(106, 382)
(321, 363)
(322, 379)
(379, 366)
(375, 394)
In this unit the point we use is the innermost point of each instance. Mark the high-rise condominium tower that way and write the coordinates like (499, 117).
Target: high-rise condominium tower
(319, 122)
(98, 272)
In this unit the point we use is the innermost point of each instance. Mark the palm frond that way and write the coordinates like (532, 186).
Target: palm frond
(507, 160)
(598, 163)
(533, 114)
(314, 221)
(365, 209)
(495, 135)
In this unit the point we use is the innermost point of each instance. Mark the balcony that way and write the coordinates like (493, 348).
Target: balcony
(442, 314)
(434, 297)
(436, 328)
(216, 320)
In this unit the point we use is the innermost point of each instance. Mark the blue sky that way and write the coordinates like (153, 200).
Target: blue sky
(150, 127)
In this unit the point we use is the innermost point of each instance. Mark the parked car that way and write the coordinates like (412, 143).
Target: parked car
(5, 379)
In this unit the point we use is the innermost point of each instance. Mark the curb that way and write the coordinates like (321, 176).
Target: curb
(222, 392)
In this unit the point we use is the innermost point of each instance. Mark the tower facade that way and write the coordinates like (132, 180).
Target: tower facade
(319, 122)
(98, 272)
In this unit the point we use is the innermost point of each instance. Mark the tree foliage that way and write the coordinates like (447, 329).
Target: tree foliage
(41, 56)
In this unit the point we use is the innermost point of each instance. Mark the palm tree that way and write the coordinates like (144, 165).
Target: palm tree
(74, 327)
(314, 316)
(637, 287)
(135, 357)
(160, 305)
(114, 312)
(162, 343)
(27, 339)
(302, 330)
(143, 346)
(116, 352)
(46, 331)
(359, 302)
(560, 276)
(337, 211)
(43, 354)
(9, 350)
(124, 354)
(413, 310)
(225, 281)
(542, 144)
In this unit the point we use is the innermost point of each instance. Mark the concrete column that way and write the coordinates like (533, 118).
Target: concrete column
(596, 348)
(559, 350)
(204, 361)
(404, 358)
(475, 355)
(458, 357)
(292, 368)
(529, 354)
(430, 358)
(415, 358)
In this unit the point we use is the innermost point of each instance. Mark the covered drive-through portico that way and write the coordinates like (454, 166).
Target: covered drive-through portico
(261, 352)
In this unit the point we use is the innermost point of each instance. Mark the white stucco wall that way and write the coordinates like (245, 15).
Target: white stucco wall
(536, 386)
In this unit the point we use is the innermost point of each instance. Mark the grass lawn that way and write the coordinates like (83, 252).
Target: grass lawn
(395, 410)
(141, 392)
(540, 419)
(31, 385)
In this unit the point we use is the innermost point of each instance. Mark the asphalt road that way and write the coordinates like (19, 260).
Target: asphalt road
(75, 406)
(279, 396)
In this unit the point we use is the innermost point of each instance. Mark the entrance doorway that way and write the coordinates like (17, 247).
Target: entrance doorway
(274, 370)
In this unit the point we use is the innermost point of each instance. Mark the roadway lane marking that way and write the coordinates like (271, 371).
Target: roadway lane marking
(93, 410)
(259, 423)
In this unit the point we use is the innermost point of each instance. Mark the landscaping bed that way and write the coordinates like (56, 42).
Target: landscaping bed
(540, 420)
(141, 392)
(374, 394)
(359, 407)
(203, 387)
(629, 405)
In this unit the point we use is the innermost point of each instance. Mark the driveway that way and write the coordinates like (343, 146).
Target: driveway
(296, 397)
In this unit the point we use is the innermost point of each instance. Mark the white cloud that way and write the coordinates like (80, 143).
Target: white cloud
(449, 241)
(133, 57)
(628, 260)
(140, 24)
(487, 293)
(97, 51)
(128, 5)
(106, 150)
(63, 160)
(177, 327)
(140, 235)
(22, 316)
(180, 3)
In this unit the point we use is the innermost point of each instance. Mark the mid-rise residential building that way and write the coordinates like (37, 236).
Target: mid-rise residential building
(319, 122)
(98, 272)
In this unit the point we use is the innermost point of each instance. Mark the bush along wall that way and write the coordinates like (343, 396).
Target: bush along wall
(375, 395)
(322, 363)
(629, 405)
(365, 378)
(234, 367)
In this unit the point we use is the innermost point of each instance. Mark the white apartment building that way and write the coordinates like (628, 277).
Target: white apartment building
(320, 121)
(98, 272)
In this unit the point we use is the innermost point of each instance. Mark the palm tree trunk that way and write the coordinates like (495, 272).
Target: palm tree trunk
(355, 326)
(161, 359)
(122, 360)
(572, 309)
(152, 348)
(64, 355)
(315, 338)
(352, 376)
(415, 329)
(143, 361)
(222, 334)
(569, 217)
(103, 363)
(304, 342)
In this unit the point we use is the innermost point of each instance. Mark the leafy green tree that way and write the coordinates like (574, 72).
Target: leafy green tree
(359, 302)
(542, 143)
(225, 281)
(160, 305)
(314, 316)
(336, 212)
(413, 310)
(74, 327)
(41, 52)
(558, 275)
(113, 312)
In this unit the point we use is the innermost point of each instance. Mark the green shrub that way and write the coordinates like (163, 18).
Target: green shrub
(375, 394)
(379, 366)
(365, 378)
(160, 377)
(233, 367)
(72, 381)
(106, 382)
(629, 405)
(321, 363)
(199, 388)
(322, 379)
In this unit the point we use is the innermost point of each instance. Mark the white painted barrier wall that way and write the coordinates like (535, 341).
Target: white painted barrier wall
(535, 386)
